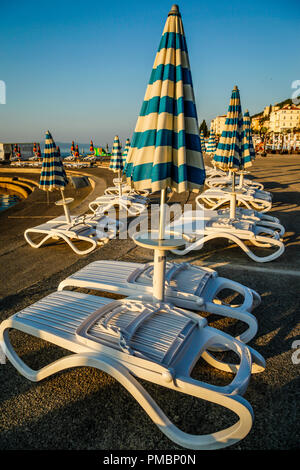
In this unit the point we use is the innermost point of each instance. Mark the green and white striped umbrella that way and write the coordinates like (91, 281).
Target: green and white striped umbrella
(202, 142)
(248, 142)
(165, 149)
(53, 175)
(211, 144)
(126, 149)
(230, 153)
(116, 160)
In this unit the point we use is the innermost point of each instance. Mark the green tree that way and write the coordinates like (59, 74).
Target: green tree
(204, 128)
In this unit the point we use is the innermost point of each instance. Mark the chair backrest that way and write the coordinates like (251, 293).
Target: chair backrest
(175, 277)
(155, 332)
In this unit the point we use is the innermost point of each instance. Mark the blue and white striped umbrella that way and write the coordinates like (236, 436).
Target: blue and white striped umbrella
(116, 160)
(202, 142)
(126, 149)
(284, 145)
(165, 149)
(230, 153)
(53, 175)
(211, 144)
(248, 142)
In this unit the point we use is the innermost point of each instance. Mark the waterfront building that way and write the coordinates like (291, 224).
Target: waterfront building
(285, 119)
(7, 150)
(217, 124)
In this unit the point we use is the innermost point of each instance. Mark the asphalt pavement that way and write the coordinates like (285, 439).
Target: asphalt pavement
(86, 409)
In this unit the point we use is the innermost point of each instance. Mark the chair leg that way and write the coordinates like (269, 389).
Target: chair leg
(31, 243)
(198, 244)
(53, 234)
(275, 226)
(217, 440)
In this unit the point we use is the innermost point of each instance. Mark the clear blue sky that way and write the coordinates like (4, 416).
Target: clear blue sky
(80, 68)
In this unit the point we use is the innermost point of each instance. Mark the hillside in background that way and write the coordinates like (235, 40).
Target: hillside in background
(281, 104)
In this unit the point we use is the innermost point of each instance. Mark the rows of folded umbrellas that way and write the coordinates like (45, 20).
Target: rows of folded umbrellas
(74, 160)
(157, 332)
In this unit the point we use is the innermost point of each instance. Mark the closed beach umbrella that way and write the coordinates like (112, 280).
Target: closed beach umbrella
(76, 154)
(39, 153)
(230, 150)
(165, 150)
(273, 143)
(279, 142)
(231, 153)
(116, 161)
(295, 142)
(53, 176)
(202, 142)
(16, 150)
(92, 147)
(72, 147)
(212, 143)
(284, 146)
(125, 153)
(248, 149)
(34, 148)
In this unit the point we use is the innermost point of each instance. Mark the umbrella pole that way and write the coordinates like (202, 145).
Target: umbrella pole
(66, 209)
(162, 215)
(232, 198)
(120, 184)
(241, 179)
(160, 256)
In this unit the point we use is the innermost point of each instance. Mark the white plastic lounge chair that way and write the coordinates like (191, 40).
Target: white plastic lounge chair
(259, 218)
(249, 198)
(124, 188)
(89, 229)
(154, 342)
(214, 171)
(134, 205)
(225, 181)
(187, 286)
(236, 231)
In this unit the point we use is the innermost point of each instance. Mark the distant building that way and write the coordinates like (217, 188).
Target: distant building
(267, 110)
(286, 118)
(7, 150)
(277, 118)
(217, 124)
(256, 122)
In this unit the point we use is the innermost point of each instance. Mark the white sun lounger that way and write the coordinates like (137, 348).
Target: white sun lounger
(236, 231)
(131, 339)
(89, 229)
(134, 205)
(225, 181)
(251, 199)
(125, 189)
(213, 171)
(187, 286)
(259, 218)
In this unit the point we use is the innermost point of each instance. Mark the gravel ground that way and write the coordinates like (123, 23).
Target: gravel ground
(85, 409)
